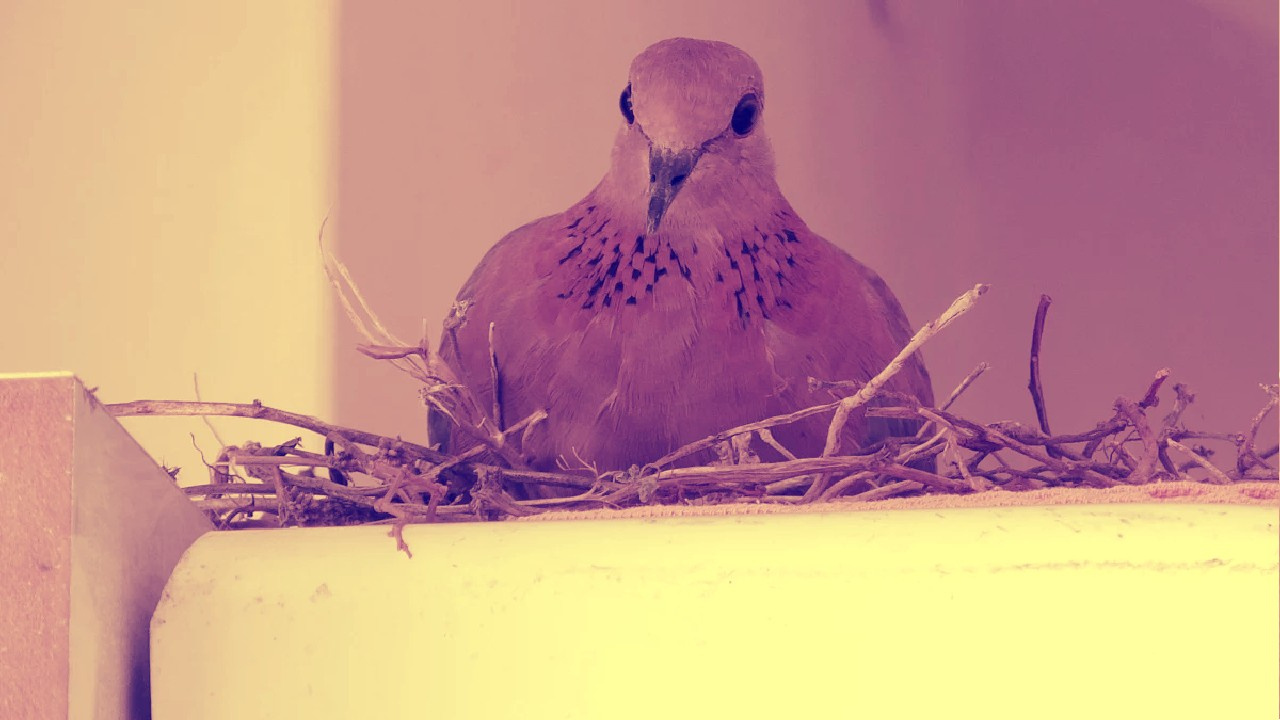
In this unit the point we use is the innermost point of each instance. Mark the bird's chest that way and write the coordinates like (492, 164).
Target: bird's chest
(607, 280)
(666, 319)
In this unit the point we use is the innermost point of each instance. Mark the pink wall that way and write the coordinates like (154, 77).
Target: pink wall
(1119, 156)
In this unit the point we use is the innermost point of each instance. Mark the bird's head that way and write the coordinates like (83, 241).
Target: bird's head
(692, 113)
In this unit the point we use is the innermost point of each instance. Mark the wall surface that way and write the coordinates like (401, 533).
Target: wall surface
(1118, 156)
(165, 169)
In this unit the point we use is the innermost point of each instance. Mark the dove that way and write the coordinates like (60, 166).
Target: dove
(681, 297)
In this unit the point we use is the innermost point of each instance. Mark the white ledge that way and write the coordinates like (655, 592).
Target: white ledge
(1070, 611)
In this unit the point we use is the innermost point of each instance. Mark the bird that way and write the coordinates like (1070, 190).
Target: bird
(682, 296)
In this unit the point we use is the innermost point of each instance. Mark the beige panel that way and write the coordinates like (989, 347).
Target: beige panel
(35, 531)
(165, 170)
(91, 529)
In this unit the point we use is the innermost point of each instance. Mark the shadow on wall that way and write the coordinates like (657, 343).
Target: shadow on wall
(1118, 156)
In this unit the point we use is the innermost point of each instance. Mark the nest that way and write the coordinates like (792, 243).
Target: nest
(362, 477)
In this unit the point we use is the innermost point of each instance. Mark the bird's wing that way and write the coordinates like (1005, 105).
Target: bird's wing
(538, 337)
(844, 324)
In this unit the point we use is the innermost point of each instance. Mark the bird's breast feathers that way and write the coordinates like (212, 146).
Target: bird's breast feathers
(587, 266)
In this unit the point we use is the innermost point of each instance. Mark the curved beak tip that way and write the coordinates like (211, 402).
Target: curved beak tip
(668, 171)
(657, 208)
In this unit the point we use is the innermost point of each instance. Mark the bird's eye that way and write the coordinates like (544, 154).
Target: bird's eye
(745, 114)
(624, 103)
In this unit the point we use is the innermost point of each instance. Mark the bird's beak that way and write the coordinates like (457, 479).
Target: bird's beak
(668, 171)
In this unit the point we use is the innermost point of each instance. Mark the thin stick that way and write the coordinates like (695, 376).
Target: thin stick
(1060, 465)
(846, 406)
(924, 447)
(489, 492)
(885, 491)
(1198, 460)
(221, 505)
(532, 477)
(974, 374)
(711, 440)
(762, 473)
(495, 380)
(391, 352)
(847, 482)
(380, 334)
(1151, 399)
(1246, 457)
(769, 440)
(255, 488)
(262, 412)
(1037, 391)
(791, 483)
(282, 497)
(784, 419)
(1146, 465)
(416, 365)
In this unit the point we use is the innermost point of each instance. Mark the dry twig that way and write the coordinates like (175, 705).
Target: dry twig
(1037, 391)
(960, 306)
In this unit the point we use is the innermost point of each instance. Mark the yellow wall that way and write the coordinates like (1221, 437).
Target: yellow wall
(164, 167)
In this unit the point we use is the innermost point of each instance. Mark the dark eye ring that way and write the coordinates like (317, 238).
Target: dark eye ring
(624, 103)
(745, 114)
